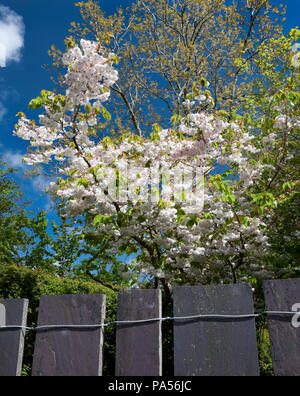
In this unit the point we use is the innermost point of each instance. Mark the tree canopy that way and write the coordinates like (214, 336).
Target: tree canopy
(240, 128)
(165, 49)
(24, 237)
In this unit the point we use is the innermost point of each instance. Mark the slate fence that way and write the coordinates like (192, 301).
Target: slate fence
(213, 326)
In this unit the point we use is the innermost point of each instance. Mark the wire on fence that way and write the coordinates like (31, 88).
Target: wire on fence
(124, 322)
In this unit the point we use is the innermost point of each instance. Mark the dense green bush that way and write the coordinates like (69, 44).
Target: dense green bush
(20, 282)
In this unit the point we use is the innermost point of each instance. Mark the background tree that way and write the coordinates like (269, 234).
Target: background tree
(166, 48)
(60, 247)
(24, 237)
(269, 111)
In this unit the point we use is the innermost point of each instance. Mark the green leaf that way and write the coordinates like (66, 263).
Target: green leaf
(36, 103)
(162, 204)
(245, 221)
(82, 182)
(100, 219)
(106, 114)
(286, 186)
(228, 198)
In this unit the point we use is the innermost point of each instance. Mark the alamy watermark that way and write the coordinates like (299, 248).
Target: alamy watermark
(180, 184)
(296, 317)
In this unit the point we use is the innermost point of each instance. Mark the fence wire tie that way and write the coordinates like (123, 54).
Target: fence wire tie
(140, 321)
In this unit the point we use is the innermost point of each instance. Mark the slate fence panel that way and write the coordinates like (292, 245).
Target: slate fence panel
(214, 332)
(214, 346)
(13, 312)
(69, 351)
(139, 345)
(284, 295)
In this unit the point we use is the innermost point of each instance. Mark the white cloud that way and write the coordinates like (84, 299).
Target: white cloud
(14, 159)
(12, 30)
(40, 182)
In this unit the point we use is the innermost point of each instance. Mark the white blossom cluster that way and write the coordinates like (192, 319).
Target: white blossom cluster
(129, 186)
(89, 75)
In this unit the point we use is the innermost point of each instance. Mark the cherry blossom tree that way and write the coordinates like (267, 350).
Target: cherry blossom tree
(183, 200)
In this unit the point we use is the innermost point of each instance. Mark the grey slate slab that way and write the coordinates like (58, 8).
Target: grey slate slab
(138, 346)
(284, 330)
(214, 347)
(12, 312)
(69, 352)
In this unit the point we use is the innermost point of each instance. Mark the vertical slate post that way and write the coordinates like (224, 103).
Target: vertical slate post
(284, 330)
(12, 313)
(139, 346)
(69, 351)
(211, 346)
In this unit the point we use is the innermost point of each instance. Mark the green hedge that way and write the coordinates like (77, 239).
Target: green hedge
(20, 282)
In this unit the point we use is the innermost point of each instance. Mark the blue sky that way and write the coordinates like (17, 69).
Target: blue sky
(28, 28)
